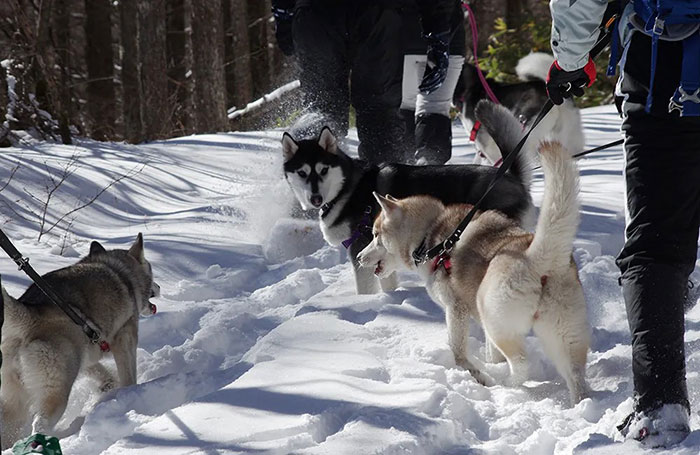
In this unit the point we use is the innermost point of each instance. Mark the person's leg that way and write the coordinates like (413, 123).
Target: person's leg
(321, 50)
(433, 123)
(377, 61)
(662, 175)
(413, 68)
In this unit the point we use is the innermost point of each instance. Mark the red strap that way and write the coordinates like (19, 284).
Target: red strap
(589, 69)
(475, 130)
(441, 260)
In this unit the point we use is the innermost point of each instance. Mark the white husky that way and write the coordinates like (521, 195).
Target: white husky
(510, 280)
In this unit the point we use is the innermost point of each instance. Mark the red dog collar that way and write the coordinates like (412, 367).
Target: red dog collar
(475, 130)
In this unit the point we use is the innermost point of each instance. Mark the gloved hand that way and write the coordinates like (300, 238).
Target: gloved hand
(437, 64)
(563, 84)
(283, 29)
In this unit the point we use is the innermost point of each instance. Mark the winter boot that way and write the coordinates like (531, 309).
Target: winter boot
(664, 427)
(433, 139)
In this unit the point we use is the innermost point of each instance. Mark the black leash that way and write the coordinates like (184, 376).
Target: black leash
(23, 263)
(441, 249)
(599, 148)
(593, 150)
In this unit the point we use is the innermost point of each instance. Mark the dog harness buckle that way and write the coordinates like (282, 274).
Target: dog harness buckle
(21, 262)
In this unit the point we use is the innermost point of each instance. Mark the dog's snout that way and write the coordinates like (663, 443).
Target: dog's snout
(362, 259)
(316, 200)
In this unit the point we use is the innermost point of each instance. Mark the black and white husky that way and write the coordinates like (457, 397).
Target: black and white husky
(524, 99)
(323, 177)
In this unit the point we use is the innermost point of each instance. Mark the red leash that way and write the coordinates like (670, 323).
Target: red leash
(475, 41)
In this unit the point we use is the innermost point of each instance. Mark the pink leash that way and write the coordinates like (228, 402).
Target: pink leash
(475, 40)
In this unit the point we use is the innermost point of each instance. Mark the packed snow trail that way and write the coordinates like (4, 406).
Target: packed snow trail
(261, 345)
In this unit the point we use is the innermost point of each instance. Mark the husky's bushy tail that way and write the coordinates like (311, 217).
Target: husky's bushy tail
(559, 214)
(534, 66)
(506, 132)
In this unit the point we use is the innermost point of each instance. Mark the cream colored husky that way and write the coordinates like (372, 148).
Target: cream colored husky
(510, 280)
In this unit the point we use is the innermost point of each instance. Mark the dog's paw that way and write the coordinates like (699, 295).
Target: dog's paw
(478, 375)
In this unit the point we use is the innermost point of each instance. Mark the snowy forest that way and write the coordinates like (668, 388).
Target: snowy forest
(144, 70)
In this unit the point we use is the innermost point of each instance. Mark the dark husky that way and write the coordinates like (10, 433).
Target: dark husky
(323, 177)
(524, 99)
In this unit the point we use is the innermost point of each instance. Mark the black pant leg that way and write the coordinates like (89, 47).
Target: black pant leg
(377, 67)
(321, 44)
(662, 176)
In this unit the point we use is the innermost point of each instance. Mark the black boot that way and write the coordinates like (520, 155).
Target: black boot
(433, 139)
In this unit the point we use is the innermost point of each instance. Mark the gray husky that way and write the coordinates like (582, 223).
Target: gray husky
(43, 350)
(322, 176)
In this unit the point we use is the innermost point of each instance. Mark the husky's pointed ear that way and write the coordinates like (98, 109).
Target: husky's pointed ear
(289, 147)
(96, 248)
(327, 141)
(388, 206)
(136, 249)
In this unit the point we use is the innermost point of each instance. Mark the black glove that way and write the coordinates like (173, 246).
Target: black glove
(563, 84)
(437, 64)
(283, 29)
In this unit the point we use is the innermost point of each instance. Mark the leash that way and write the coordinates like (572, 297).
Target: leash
(599, 148)
(593, 150)
(475, 41)
(443, 248)
(23, 263)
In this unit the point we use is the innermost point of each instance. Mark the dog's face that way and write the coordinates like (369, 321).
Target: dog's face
(313, 168)
(384, 252)
(138, 268)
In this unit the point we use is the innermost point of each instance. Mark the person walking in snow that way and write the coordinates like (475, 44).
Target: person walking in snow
(662, 174)
(426, 114)
(350, 52)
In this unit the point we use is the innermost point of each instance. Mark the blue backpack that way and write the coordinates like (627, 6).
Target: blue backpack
(656, 14)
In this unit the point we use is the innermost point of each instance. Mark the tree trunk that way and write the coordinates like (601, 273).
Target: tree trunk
(241, 86)
(62, 39)
(131, 82)
(208, 66)
(156, 111)
(178, 82)
(485, 13)
(101, 102)
(259, 63)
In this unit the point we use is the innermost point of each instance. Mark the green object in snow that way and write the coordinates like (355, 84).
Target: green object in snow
(37, 443)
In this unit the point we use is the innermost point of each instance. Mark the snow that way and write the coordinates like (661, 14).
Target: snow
(260, 344)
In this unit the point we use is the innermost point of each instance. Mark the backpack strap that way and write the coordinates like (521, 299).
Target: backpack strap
(654, 26)
(686, 99)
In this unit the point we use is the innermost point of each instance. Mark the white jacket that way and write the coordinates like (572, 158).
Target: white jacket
(575, 29)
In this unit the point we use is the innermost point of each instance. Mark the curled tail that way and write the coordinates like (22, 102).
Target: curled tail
(506, 131)
(534, 66)
(559, 214)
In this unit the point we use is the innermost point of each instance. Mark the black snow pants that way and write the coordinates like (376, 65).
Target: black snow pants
(349, 51)
(662, 175)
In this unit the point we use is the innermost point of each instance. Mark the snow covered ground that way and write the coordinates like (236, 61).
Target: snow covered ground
(260, 345)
